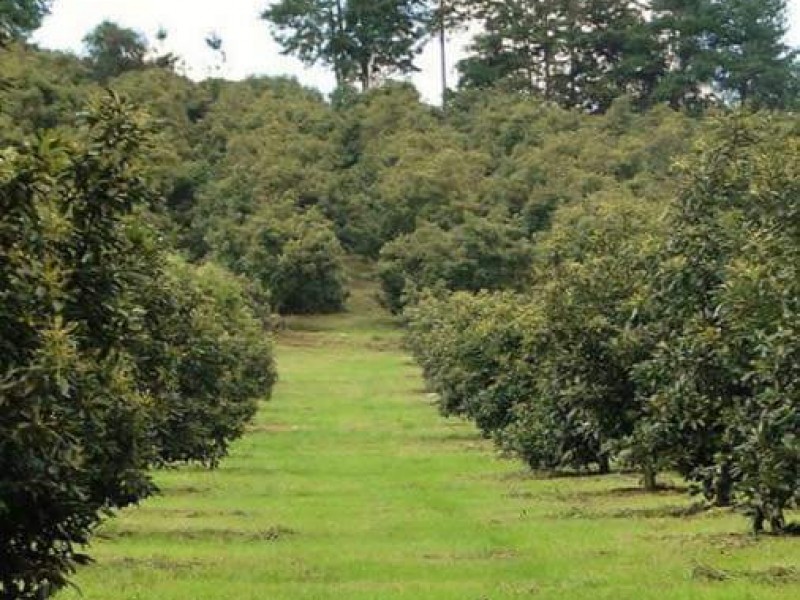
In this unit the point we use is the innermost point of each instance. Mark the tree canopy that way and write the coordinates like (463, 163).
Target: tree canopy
(18, 18)
(594, 249)
(113, 50)
(586, 53)
(362, 40)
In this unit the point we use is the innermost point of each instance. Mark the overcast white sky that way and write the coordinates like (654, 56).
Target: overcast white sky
(247, 41)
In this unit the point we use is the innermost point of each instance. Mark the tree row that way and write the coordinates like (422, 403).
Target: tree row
(116, 356)
(655, 335)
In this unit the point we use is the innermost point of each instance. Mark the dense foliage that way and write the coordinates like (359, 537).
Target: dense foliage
(19, 17)
(202, 358)
(722, 382)
(74, 426)
(109, 363)
(586, 303)
(476, 255)
(664, 339)
(362, 40)
(294, 258)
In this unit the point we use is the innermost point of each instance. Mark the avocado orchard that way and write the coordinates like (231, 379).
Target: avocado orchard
(586, 303)
(110, 361)
(660, 338)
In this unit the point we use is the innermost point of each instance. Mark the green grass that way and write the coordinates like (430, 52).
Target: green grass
(350, 486)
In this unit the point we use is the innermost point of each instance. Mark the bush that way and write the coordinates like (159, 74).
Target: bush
(73, 425)
(479, 254)
(294, 257)
(203, 359)
(109, 364)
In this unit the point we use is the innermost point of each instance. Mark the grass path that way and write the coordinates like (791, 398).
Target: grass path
(349, 486)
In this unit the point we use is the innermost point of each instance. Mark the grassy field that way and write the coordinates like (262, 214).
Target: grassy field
(350, 486)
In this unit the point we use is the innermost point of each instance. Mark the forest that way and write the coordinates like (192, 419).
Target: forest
(592, 246)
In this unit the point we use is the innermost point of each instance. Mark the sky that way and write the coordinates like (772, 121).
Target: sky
(247, 42)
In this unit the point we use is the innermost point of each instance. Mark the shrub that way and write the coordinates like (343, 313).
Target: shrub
(73, 425)
(294, 257)
(203, 360)
(479, 254)
(109, 363)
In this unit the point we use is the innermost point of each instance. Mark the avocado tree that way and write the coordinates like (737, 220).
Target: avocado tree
(293, 257)
(203, 360)
(110, 362)
(722, 382)
(73, 425)
(479, 254)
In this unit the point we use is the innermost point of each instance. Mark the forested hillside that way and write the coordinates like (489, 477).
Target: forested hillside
(593, 245)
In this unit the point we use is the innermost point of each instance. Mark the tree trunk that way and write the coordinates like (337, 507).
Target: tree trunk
(743, 95)
(546, 75)
(723, 487)
(443, 52)
(364, 75)
(758, 521)
(604, 463)
(650, 475)
(337, 29)
(777, 522)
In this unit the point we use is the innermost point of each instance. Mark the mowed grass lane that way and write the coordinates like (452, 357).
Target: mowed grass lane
(350, 486)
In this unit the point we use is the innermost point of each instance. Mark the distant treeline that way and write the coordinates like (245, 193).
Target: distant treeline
(580, 54)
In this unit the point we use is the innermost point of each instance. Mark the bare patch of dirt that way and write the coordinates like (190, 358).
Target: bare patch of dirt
(649, 512)
(271, 534)
(775, 575)
(635, 490)
(273, 428)
(185, 490)
(490, 554)
(154, 563)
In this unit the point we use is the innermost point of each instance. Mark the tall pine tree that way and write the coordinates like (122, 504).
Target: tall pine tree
(585, 53)
(725, 50)
(579, 53)
(756, 67)
(520, 47)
